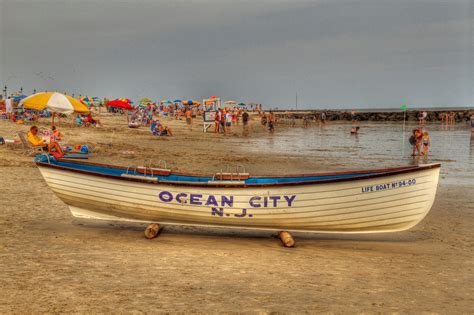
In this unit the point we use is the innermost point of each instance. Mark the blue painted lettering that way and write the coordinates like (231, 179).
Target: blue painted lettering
(211, 201)
(218, 211)
(194, 199)
(275, 200)
(253, 200)
(181, 195)
(165, 196)
(289, 199)
(227, 200)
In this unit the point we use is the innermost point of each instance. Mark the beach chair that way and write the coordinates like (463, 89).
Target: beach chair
(29, 149)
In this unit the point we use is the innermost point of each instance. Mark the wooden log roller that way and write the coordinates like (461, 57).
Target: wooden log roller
(286, 239)
(152, 231)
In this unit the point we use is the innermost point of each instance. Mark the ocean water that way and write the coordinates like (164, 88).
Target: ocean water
(379, 144)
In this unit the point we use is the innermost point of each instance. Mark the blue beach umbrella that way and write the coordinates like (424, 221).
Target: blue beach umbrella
(18, 98)
(177, 101)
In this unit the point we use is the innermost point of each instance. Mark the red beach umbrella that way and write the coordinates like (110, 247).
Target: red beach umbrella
(120, 104)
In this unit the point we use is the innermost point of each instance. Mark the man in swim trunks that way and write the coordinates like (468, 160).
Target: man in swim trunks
(189, 118)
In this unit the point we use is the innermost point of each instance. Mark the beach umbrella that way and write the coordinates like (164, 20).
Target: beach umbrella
(119, 103)
(213, 96)
(18, 98)
(241, 104)
(145, 100)
(189, 102)
(177, 101)
(87, 101)
(230, 102)
(54, 102)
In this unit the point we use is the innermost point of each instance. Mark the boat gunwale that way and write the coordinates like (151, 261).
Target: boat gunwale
(380, 173)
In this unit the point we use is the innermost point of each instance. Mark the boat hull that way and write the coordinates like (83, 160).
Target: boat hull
(390, 203)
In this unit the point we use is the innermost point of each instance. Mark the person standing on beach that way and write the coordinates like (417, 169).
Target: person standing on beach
(422, 117)
(263, 120)
(228, 121)
(353, 116)
(426, 143)
(271, 122)
(245, 122)
(416, 141)
(189, 118)
(222, 121)
(323, 117)
(217, 121)
(472, 123)
(9, 107)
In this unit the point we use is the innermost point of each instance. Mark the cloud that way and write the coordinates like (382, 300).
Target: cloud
(333, 53)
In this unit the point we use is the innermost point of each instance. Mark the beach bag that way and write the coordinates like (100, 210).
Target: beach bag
(84, 149)
(412, 140)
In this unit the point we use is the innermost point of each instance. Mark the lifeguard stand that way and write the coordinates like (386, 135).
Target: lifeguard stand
(209, 113)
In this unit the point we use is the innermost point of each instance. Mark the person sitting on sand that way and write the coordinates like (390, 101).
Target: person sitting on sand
(164, 130)
(41, 143)
(78, 120)
(133, 124)
(355, 130)
(158, 129)
(90, 121)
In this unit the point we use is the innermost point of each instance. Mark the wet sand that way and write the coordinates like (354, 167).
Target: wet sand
(52, 262)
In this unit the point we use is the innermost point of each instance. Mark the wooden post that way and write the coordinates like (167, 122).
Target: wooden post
(286, 239)
(152, 231)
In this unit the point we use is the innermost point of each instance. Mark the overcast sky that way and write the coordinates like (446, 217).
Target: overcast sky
(367, 53)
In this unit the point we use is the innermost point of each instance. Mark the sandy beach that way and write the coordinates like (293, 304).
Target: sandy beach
(51, 262)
